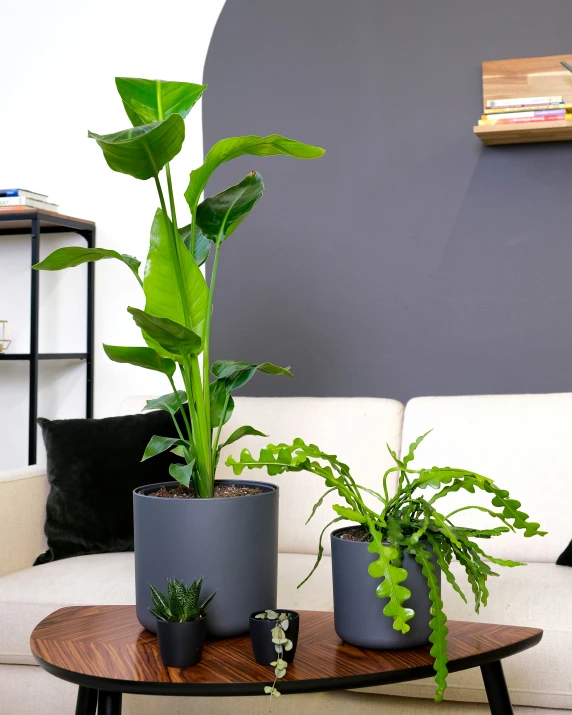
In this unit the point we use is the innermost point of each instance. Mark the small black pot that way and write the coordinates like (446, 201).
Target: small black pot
(181, 644)
(261, 637)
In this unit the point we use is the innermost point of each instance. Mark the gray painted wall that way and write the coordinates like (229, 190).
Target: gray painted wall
(410, 260)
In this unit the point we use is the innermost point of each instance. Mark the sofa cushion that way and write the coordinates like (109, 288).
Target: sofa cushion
(93, 466)
(521, 442)
(28, 596)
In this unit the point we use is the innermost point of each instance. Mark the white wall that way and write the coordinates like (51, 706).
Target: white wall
(59, 61)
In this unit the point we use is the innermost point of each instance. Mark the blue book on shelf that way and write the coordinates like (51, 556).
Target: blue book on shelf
(5, 193)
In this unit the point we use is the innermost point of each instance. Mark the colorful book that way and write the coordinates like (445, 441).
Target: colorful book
(522, 101)
(25, 201)
(525, 120)
(528, 108)
(525, 115)
(5, 193)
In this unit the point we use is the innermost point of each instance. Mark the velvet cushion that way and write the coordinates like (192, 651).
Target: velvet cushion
(565, 558)
(93, 466)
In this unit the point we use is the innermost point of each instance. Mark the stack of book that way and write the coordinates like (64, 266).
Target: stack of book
(13, 198)
(525, 109)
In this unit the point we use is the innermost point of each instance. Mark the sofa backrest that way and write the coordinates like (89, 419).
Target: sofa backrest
(355, 429)
(520, 441)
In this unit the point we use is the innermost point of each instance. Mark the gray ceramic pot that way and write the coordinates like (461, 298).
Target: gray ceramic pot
(358, 612)
(231, 542)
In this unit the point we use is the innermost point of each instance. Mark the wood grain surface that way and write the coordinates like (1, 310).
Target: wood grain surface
(107, 642)
(526, 77)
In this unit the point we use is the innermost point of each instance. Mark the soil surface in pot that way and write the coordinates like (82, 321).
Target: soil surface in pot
(221, 491)
(355, 533)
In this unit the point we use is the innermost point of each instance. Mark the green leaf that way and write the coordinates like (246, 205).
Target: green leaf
(439, 551)
(150, 100)
(390, 587)
(438, 623)
(217, 213)
(219, 398)
(319, 503)
(242, 432)
(349, 514)
(72, 256)
(157, 445)
(169, 402)
(161, 291)
(143, 151)
(202, 244)
(228, 149)
(412, 447)
(172, 337)
(183, 473)
(320, 549)
(237, 374)
(141, 357)
(511, 510)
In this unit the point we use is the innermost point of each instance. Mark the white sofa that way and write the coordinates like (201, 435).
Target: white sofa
(519, 440)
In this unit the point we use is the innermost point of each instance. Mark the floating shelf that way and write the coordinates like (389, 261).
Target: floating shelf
(528, 77)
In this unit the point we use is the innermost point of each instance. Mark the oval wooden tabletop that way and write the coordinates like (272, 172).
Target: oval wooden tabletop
(105, 647)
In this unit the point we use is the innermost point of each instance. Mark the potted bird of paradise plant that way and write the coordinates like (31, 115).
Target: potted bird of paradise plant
(176, 532)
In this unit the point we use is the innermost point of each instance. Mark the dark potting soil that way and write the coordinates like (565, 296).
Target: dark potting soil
(355, 533)
(221, 491)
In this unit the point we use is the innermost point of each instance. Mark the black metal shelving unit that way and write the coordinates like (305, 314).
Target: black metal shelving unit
(34, 222)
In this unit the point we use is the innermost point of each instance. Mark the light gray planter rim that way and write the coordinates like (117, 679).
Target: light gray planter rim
(265, 486)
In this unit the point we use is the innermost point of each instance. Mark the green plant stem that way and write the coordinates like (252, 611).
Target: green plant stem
(203, 436)
(219, 428)
(202, 470)
(207, 337)
(181, 408)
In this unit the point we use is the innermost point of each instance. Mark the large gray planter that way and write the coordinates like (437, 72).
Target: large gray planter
(231, 542)
(358, 612)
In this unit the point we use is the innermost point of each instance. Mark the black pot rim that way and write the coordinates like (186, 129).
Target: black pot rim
(202, 619)
(295, 614)
(267, 488)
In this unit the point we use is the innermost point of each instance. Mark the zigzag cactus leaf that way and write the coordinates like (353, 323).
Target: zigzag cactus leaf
(390, 587)
(438, 623)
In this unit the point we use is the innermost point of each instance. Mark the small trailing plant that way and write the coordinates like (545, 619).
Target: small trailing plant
(409, 521)
(177, 300)
(281, 644)
(181, 603)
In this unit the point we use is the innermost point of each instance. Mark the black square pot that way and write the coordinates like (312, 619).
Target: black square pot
(181, 644)
(261, 637)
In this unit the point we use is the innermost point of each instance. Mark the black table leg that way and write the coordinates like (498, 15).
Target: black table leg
(86, 701)
(108, 703)
(497, 692)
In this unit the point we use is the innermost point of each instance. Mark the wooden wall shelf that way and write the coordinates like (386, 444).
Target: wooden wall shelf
(527, 77)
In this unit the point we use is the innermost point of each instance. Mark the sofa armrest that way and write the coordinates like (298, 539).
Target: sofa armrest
(23, 494)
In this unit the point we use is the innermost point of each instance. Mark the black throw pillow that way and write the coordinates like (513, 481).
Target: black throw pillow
(93, 466)
(565, 558)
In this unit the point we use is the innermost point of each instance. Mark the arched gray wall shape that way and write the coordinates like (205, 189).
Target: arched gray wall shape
(410, 260)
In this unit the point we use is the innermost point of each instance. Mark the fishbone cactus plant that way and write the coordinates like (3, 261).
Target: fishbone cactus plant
(407, 521)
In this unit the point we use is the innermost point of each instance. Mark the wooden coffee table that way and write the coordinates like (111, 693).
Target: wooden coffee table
(104, 650)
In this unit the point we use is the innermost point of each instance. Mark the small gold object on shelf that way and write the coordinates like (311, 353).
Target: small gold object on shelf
(5, 336)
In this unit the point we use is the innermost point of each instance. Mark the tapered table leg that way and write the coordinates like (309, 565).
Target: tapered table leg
(108, 703)
(86, 701)
(497, 692)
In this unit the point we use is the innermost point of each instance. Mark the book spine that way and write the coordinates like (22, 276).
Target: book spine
(8, 192)
(525, 120)
(521, 101)
(25, 201)
(525, 115)
(528, 108)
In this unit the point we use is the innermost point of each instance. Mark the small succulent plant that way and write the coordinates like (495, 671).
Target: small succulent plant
(281, 644)
(181, 603)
